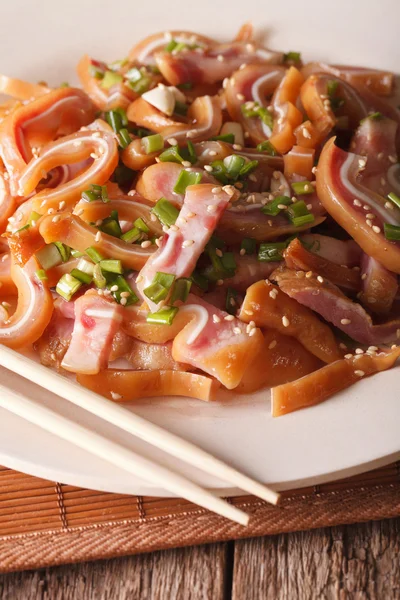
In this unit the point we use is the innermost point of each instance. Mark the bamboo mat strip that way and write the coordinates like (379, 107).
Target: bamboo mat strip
(44, 523)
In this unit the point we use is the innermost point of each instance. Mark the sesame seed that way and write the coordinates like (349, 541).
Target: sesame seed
(125, 294)
(282, 206)
(216, 319)
(273, 294)
(238, 185)
(240, 97)
(61, 205)
(216, 190)
(218, 252)
(366, 207)
(97, 237)
(208, 168)
(212, 153)
(191, 134)
(376, 229)
(55, 219)
(237, 330)
(362, 162)
(114, 288)
(393, 347)
(153, 217)
(220, 58)
(393, 159)
(212, 208)
(145, 244)
(158, 242)
(225, 83)
(383, 181)
(369, 222)
(99, 222)
(314, 170)
(139, 278)
(173, 141)
(252, 332)
(359, 351)
(242, 252)
(79, 212)
(242, 66)
(389, 205)
(220, 282)
(357, 202)
(359, 373)
(229, 318)
(320, 279)
(229, 189)
(370, 216)
(285, 321)
(165, 228)
(50, 211)
(309, 274)
(186, 163)
(174, 228)
(187, 243)
(345, 321)
(380, 156)
(272, 344)
(94, 155)
(77, 143)
(190, 215)
(348, 356)
(342, 346)
(123, 301)
(131, 192)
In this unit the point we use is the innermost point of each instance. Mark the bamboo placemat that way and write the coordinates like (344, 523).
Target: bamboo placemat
(46, 523)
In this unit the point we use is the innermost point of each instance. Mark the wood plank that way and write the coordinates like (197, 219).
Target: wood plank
(183, 574)
(356, 561)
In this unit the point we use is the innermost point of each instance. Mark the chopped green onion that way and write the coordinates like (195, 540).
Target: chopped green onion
(331, 87)
(140, 131)
(41, 275)
(185, 179)
(81, 276)
(271, 252)
(141, 85)
(68, 286)
(166, 212)
(303, 187)
(97, 192)
(273, 208)
(392, 232)
(49, 256)
(153, 143)
(199, 280)
(134, 74)
(232, 301)
(253, 109)
(181, 108)
(131, 236)
(267, 147)
(85, 266)
(181, 290)
(115, 65)
(140, 224)
(394, 198)
(249, 245)
(24, 228)
(159, 288)
(219, 171)
(187, 85)
(76, 253)
(116, 118)
(228, 261)
(191, 152)
(292, 57)
(124, 138)
(171, 154)
(110, 78)
(65, 251)
(234, 164)
(94, 255)
(112, 227)
(165, 316)
(299, 214)
(229, 138)
(111, 266)
(248, 168)
(123, 288)
(171, 46)
(99, 280)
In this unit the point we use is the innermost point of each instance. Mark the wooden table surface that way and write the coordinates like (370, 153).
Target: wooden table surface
(352, 562)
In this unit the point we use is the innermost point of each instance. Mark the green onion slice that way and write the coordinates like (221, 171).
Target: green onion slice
(303, 187)
(110, 78)
(165, 316)
(249, 245)
(185, 179)
(153, 143)
(271, 252)
(94, 255)
(111, 266)
(273, 209)
(81, 276)
(394, 198)
(267, 147)
(392, 232)
(68, 286)
(181, 290)
(166, 212)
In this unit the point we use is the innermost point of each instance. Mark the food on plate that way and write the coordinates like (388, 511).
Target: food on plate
(203, 215)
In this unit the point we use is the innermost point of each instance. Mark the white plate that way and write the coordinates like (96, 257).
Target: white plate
(354, 431)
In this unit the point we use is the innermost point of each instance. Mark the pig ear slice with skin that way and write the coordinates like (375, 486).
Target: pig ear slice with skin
(351, 204)
(183, 243)
(328, 301)
(96, 322)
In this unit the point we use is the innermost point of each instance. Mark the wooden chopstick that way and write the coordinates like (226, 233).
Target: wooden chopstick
(115, 454)
(132, 423)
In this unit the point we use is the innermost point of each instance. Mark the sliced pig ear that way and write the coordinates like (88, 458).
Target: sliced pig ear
(34, 309)
(378, 82)
(253, 83)
(205, 121)
(144, 52)
(344, 197)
